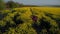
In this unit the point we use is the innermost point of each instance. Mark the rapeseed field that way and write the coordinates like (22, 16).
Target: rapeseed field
(30, 20)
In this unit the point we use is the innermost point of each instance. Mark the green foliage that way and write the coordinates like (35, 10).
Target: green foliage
(2, 5)
(11, 4)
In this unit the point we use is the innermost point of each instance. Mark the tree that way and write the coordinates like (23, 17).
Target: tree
(12, 4)
(2, 5)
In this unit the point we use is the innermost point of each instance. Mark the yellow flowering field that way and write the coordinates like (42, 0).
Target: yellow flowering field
(30, 20)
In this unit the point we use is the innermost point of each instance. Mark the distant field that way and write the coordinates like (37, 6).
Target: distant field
(54, 10)
(30, 20)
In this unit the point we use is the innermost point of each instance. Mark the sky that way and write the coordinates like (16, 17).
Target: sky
(38, 2)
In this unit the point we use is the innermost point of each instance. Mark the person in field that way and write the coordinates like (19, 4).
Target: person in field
(34, 18)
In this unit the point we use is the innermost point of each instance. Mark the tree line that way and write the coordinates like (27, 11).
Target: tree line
(9, 4)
